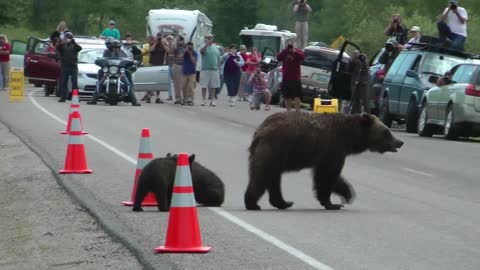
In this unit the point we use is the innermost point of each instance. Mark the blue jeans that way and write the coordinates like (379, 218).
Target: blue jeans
(170, 81)
(444, 31)
(68, 72)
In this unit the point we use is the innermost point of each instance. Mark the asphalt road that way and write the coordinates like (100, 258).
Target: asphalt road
(415, 209)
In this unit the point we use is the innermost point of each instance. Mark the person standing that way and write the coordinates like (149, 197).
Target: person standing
(190, 73)
(209, 74)
(4, 61)
(171, 47)
(242, 94)
(453, 25)
(292, 58)
(62, 28)
(158, 55)
(358, 65)
(68, 54)
(252, 62)
(397, 29)
(232, 62)
(302, 11)
(178, 77)
(111, 31)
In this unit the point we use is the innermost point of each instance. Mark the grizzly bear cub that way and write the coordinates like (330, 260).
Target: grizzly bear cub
(158, 176)
(292, 141)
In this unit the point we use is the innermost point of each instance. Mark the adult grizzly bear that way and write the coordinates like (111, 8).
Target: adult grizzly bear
(158, 176)
(292, 141)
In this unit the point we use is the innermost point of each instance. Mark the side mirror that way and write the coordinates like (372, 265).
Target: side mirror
(433, 79)
(412, 74)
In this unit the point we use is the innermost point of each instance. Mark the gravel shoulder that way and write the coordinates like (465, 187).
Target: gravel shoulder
(41, 226)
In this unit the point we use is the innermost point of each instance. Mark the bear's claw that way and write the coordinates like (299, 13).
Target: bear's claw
(253, 207)
(333, 206)
(282, 205)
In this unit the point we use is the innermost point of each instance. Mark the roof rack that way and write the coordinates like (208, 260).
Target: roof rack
(433, 44)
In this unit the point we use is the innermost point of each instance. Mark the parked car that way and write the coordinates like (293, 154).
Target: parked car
(44, 70)
(316, 71)
(411, 74)
(453, 109)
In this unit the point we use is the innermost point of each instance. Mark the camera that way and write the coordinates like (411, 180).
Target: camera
(395, 21)
(362, 58)
(289, 46)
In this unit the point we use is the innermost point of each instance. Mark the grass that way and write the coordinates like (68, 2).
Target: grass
(20, 33)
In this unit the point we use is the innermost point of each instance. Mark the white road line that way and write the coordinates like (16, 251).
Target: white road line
(417, 172)
(248, 227)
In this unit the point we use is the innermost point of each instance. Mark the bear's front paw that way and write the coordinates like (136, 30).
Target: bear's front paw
(253, 207)
(333, 206)
(282, 205)
(137, 209)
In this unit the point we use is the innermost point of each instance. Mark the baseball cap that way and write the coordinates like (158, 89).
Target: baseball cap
(415, 29)
(111, 22)
(453, 2)
(68, 35)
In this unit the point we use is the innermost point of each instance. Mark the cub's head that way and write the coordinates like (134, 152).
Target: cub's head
(191, 158)
(379, 138)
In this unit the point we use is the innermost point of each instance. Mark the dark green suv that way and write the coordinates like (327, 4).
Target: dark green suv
(412, 73)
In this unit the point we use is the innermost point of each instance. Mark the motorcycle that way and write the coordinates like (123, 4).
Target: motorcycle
(113, 86)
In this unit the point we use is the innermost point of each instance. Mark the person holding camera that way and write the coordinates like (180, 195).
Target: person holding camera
(189, 70)
(67, 52)
(158, 56)
(292, 59)
(391, 52)
(232, 62)
(301, 10)
(453, 25)
(259, 83)
(397, 29)
(359, 84)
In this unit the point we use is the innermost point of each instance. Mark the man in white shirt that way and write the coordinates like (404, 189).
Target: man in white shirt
(453, 25)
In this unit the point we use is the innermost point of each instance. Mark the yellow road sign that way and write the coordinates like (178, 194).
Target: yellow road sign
(17, 85)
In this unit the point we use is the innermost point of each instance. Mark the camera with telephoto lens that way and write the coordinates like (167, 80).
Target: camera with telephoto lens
(289, 46)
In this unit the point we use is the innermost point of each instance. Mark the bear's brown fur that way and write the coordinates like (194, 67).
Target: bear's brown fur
(292, 141)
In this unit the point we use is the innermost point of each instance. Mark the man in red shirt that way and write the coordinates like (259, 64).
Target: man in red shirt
(292, 58)
(4, 60)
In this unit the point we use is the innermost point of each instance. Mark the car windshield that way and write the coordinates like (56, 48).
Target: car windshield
(317, 59)
(439, 64)
(260, 42)
(88, 56)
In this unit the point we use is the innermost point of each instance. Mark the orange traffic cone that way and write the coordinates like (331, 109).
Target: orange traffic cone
(183, 233)
(74, 106)
(144, 156)
(76, 160)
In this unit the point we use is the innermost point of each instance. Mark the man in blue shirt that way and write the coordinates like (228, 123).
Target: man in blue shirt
(189, 71)
(111, 31)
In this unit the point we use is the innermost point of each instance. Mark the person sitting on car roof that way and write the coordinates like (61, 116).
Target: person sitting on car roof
(416, 37)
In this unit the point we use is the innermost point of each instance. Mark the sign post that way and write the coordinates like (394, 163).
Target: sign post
(17, 85)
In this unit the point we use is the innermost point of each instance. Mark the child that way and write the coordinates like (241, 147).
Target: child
(259, 83)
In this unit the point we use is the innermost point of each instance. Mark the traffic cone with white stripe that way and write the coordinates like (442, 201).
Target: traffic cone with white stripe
(76, 160)
(144, 156)
(74, 106)
(183, 232)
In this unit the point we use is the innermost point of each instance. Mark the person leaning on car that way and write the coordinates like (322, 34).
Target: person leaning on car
(67, 52)
(392, 49)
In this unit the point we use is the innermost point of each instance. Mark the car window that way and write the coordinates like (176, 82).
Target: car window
(466, 76)
(320, 60)
(376, 58)
(407, 64)
(416, 64)
(41, 47)
(457, 75)
(18, 47)
(396, 64)
(439, 64)
(88, 56)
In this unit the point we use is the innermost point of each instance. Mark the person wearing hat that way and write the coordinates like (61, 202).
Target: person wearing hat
(67, 52)
(453, 25)
(391, 52)
(416, 37)
(111, 31)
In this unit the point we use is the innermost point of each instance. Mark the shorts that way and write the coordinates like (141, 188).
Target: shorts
(292, 89)
(210, 79)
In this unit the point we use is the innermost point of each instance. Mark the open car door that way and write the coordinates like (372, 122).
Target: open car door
(151, 78)
(341, 77)
(17, 53)
(40, 68)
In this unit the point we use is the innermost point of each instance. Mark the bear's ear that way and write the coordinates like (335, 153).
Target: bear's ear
(191, 158)
(367, 119)
(169, 154)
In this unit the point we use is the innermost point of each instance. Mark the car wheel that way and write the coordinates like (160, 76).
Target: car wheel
(46, 90)
(450, 131)
(424, 129)
(385, 116)
(412, 117)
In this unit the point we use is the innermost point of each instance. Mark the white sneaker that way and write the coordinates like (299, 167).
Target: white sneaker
(212, 103)
(203, 103)
(232, 103)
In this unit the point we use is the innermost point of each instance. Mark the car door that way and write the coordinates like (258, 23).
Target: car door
(151, 78)
(442, 96)
(477, 88)
(40, 67)
(412, 83)
(340, 79)
(393, 82)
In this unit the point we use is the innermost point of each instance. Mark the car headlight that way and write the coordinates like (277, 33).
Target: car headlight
(122, 70)
(113, 69)
(105, 69)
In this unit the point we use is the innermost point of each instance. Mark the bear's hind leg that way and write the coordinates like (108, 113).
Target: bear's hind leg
(275, 190)
(140, 194)
(325, 178)
(344, 190)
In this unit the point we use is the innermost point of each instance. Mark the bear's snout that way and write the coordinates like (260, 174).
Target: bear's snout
(398, 143)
